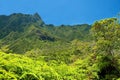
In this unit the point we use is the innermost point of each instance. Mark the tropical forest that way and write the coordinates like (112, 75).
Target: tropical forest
(30, 49)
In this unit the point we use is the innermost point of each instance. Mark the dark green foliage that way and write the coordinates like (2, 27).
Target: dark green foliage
(17, 22)
(109, 68)
(20, 33)
(69, 33)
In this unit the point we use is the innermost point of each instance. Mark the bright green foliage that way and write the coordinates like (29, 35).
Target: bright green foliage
(14, 66)
(107, 35)
(19, 67)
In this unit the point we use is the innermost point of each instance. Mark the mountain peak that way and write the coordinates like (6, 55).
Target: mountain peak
(36, 15)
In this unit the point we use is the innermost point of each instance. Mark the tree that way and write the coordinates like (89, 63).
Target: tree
(106, 34)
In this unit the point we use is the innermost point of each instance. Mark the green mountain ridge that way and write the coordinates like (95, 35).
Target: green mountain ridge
(17, 22)
(20, 30)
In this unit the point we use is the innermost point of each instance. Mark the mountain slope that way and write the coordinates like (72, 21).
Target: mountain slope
(17, 22)
(20, 33)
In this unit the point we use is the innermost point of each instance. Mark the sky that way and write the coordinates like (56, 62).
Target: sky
(66, 12)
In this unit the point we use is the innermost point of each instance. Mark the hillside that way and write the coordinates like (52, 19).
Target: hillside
(33, 50)
(26, 31)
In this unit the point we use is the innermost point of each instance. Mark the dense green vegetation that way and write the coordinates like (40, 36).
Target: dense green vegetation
(20, 30)
(33, 50)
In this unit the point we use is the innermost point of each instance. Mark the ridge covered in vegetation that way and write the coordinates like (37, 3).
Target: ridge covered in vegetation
(20, 30)
(48, 52)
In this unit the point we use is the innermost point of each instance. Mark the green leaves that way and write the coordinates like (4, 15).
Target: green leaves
(106, 34)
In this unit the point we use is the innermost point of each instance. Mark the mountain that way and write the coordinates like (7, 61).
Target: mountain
(68, 32)
(22, 32)
(17, 22)
(65, 52)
